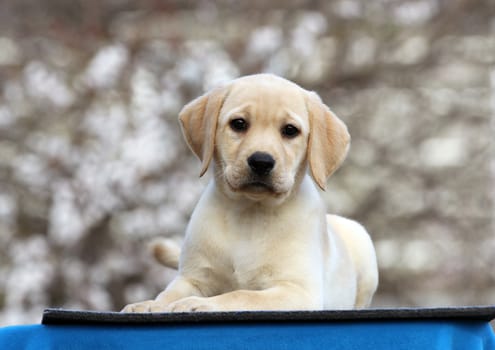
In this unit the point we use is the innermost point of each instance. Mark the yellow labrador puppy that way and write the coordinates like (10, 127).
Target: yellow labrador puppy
(259, 238)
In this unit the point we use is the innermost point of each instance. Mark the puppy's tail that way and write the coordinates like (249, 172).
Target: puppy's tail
(166, 252)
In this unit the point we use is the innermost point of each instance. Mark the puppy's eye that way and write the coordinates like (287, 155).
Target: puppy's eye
(290, 131)
(239, 124)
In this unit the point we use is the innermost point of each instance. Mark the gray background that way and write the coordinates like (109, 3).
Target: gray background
(93, 165)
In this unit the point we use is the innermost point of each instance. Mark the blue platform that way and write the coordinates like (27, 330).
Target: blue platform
(458, 328)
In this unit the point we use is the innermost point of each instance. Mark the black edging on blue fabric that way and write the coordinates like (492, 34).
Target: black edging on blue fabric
(64, 316)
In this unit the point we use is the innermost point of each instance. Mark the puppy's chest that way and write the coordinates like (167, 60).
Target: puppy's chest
(241, 249)
(250, 265)
(246, 255)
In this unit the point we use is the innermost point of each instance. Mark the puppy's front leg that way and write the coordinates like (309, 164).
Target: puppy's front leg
(179, 288)
(285, 296)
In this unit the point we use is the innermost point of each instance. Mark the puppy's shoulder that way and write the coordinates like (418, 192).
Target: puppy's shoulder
(345, 226)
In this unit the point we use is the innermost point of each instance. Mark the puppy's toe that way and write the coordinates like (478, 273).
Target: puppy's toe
(191, 304)
(144, 307)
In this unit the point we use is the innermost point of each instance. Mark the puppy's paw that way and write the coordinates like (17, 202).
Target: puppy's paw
(145, 306)
(192, 304)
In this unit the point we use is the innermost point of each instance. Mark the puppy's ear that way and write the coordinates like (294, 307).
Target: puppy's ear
(198, 120)
(328, 140)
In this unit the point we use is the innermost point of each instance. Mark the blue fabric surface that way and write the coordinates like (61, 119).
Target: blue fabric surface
(346, 335)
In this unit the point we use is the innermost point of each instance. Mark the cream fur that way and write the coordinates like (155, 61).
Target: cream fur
(269, 246)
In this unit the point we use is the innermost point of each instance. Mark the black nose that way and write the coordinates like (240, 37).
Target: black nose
(261, 163)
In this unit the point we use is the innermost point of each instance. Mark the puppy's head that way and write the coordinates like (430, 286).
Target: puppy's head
(263, 132)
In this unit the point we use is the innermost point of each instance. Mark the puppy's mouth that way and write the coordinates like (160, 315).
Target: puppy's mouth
(253, 186)
(258, 187)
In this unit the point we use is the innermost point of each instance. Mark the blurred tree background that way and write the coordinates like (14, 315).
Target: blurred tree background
(93, 165)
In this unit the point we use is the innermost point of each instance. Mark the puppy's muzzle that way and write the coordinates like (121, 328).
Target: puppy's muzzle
(261, 163)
